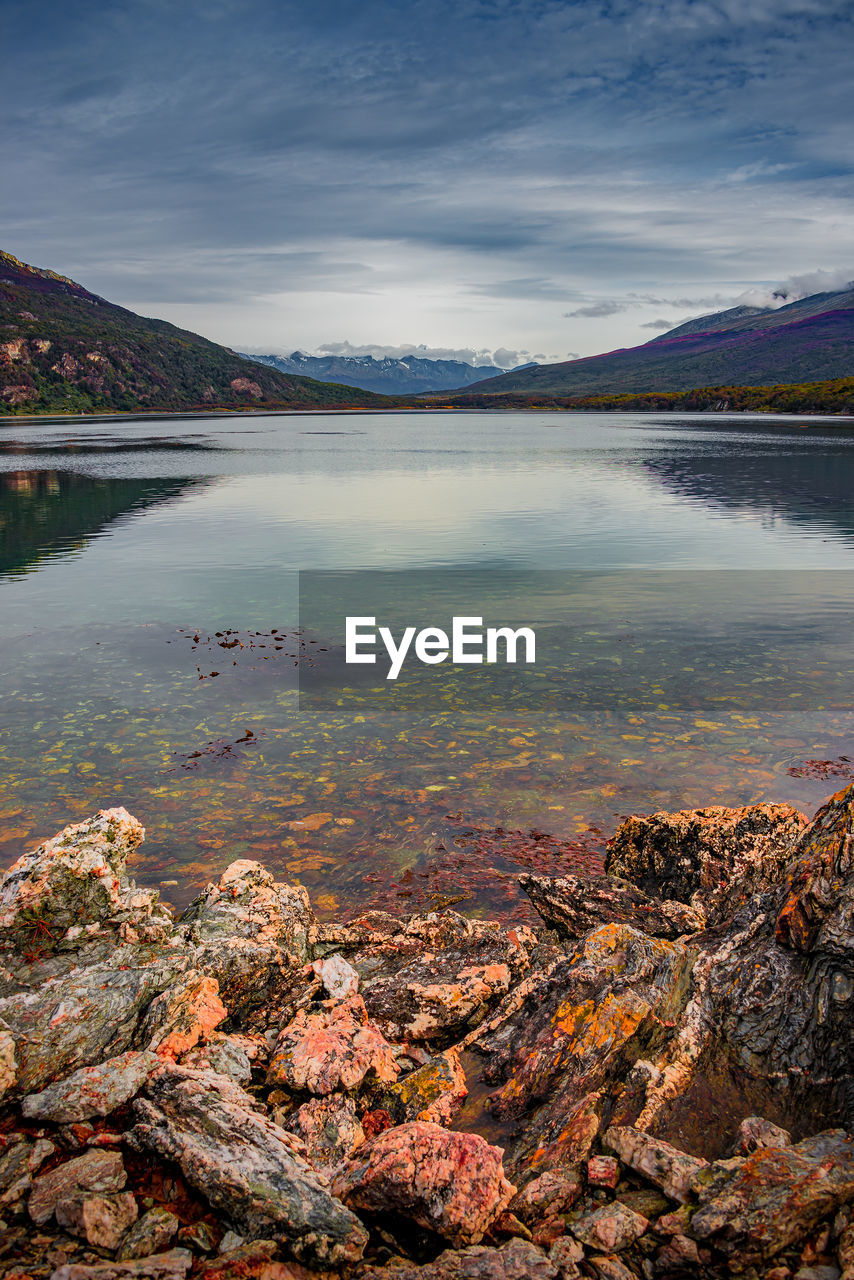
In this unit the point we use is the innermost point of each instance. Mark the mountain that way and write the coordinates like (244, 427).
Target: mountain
(810, 340)
(407, 376)
(66, 350)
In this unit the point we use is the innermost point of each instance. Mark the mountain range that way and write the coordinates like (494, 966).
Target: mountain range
(809, 340)
(66, 350)
(408, 375)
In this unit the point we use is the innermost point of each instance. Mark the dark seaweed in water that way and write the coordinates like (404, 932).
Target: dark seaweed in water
(217, 750)
(841, 767)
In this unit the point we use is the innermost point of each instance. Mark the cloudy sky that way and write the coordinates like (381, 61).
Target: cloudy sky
(536, 178)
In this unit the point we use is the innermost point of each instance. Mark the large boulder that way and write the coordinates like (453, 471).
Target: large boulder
(243, 1164)
(252, 933)
(711, 859)
(92, 1091)
(73, 887)
(453, 1183)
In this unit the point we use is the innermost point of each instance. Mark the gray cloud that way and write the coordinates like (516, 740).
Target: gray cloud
(312, 169)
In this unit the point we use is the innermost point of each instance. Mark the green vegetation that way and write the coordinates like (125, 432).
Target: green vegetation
(65, 350)
(834, 396)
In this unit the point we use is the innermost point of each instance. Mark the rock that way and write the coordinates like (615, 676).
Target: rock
(551, 1193)
(95, 1173)
(755, 1133)
(340, 979)
(679, 1255)
(100, 1220)
(76, 881)
(566, 1254)
(712, 859)
(777, 1196)
(252, 933)
(647, 1202)
(817, 1273)
(515, 1260)
(330, 1129)
(435, 1091)
(8, 1065)
(182, 1016)
(452, 1183)
(243, 1164)
(610, 1229)
(92, 1091)
(573, 905)
(255, 1261)
(83, 1016)
(606, 1266)
(226, 1055)
(19, 1161)
(173, 1265)
(436, 977)
(668, 1168)
(153, 1233)
(198, 1236)
(586, 1018)
(334, 1048)
(603, 1171)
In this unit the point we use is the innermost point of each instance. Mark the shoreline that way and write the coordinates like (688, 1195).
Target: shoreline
(664, 1065)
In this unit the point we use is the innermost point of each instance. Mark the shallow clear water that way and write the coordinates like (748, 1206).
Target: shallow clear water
(125, 547)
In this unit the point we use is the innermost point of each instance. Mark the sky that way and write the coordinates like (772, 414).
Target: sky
(500, 180)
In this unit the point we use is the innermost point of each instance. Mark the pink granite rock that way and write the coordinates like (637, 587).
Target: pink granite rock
(453, 1183)
(333, 1049)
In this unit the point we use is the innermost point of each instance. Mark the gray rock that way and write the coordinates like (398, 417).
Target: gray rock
(777, 1196)
(173, 1265)
(153, 1233)
(668, 1168)
(223, 1054)
(92, 1091)
(100, 1220)
(97, 1172)
(330, 1129)
(83, 1016)
(19, 1161)
(243, 1164)
(230, 1241)
(572, 906)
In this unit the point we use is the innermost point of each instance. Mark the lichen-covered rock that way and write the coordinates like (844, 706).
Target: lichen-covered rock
(152, 1233)
(172, 1265)
(610, 1228)
(330, 1129)
(331, 1049)
(83, 1015)
(580, 1026)
(228, 1055)
(670, 1169)
(710, 858)
(95, 1173)
(777, 1195)
(252, 933)
(439, 974)
(75, 883)
(452, 1183)
(189, 1011)
(603, 1171)
(92, 1091)
(100, 1220)
(552, 1192)
(515, 1260)
(572, 906)
(434, 1091)
(243, 1164)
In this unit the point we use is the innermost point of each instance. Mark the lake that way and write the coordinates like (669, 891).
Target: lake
(693, 575)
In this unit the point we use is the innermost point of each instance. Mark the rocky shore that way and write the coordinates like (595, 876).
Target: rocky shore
(657, 1082)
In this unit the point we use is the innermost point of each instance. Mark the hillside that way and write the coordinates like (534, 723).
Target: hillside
(389, 376)
(65, 350)
(806, 341)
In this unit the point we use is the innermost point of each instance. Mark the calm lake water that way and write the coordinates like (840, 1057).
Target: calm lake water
(696, 572)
